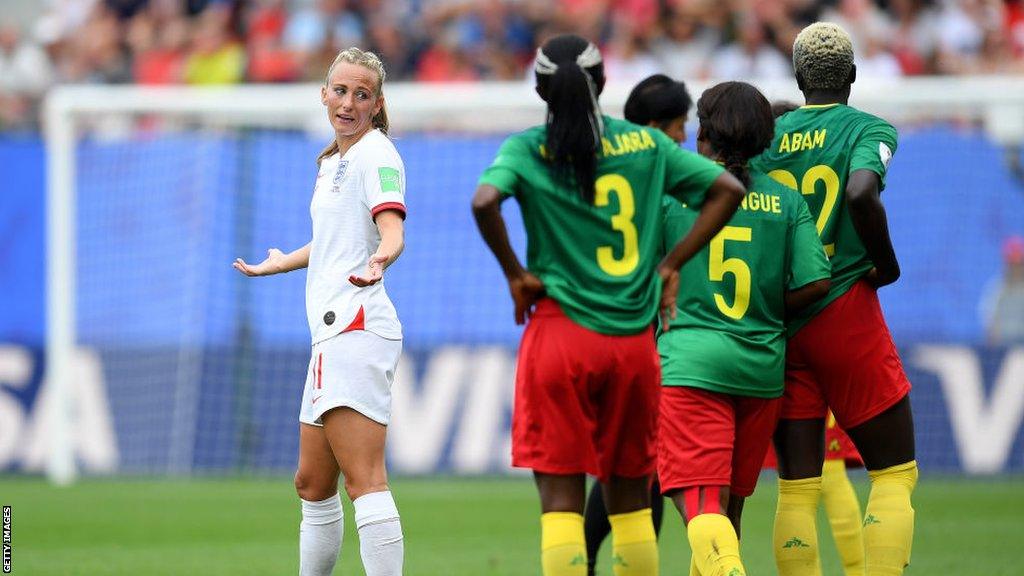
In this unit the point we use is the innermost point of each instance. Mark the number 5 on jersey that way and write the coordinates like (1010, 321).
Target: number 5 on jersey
(719, 266)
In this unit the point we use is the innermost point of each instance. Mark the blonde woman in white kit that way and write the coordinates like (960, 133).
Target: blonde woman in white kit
(357, 210)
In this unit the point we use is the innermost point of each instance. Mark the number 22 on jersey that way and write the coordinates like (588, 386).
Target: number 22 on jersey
(808, 187)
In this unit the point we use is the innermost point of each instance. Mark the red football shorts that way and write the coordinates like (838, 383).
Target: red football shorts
(844, 359)
(712, 439)
(585, 402)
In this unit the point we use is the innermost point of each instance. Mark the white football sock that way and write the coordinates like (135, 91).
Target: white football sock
(381, 542)
(320, 536)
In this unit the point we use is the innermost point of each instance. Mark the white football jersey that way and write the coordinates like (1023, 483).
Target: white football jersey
(350, 191)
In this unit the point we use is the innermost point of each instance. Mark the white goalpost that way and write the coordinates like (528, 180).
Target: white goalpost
(105, 113)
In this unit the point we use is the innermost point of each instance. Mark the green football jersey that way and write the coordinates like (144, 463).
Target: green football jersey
(729, 334)
(598, 261)
(815, 150)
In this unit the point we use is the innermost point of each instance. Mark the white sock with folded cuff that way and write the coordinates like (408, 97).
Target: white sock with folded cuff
(381, 543)
(320, 536)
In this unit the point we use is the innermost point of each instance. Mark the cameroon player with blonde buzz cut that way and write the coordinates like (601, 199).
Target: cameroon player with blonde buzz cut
(837, 494)
(840, 354)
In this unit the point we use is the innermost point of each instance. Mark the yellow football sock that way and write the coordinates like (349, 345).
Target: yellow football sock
(716, 549)
(634, 545)
(844, 516)
(889, 520)
(795, 538)
(563, 549)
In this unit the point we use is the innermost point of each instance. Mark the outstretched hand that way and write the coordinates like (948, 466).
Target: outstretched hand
(526, 290)
(374, 272)
(273, 264)
(669, 292)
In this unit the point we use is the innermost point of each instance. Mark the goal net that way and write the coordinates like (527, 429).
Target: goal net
(161, 359)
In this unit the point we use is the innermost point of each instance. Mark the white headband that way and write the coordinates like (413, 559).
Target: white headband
(590, 57)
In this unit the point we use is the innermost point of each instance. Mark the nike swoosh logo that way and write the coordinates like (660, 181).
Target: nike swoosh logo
(317, 398)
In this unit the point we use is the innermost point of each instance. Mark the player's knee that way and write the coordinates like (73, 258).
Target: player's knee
(887, 439)
(799, 464)
(312, 488)
(624, 495)
(356, 486)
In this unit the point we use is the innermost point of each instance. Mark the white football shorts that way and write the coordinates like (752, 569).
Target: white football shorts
(353, 369)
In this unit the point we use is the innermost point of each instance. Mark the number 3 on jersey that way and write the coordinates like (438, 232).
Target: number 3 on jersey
(719, 266)
(808, 187)
(622, 222)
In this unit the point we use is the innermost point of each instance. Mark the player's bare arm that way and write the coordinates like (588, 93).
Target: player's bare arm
(868, 216)
(804, 296)
(276, 262)
(392, 242)
(487, 212)
(723, 198)
(526, 288)
(667, 309)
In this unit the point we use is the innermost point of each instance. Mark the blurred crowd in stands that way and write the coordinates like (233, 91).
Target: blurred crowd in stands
(232, 41)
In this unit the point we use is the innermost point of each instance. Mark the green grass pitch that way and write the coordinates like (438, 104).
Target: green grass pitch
(453, 527)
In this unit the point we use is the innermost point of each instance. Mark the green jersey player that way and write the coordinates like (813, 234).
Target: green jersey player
(663, 103)
(846, 137)
(590, 189)
(840, 354)
(723, 355)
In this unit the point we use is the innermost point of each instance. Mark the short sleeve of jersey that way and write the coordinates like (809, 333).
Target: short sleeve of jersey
(384, 180)
(687, 175)
(502, 173)
(807, 260)
(875, 147)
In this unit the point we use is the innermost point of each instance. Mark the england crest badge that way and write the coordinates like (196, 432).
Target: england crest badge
(338, 175)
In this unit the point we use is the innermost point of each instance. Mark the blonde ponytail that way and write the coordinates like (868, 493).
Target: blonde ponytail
(372, 62)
